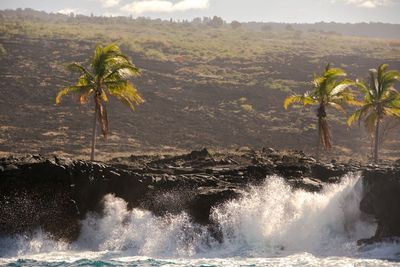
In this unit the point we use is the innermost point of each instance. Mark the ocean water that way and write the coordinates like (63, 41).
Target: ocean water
(272, 225)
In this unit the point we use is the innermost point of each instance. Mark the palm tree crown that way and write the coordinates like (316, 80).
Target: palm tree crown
(109, 73)
(380, 99)
(327, 91)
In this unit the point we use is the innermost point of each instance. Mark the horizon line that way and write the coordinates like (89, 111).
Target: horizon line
(182, 20)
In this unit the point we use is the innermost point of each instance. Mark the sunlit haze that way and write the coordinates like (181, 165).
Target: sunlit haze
(292, 11)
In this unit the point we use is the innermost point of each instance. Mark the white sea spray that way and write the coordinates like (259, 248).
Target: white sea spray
(272, 224)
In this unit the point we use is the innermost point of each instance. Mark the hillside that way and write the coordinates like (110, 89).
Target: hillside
(205, 85)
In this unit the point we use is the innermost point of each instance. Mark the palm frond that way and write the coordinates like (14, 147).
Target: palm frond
(330, 79)
(103, 57)
(336, 106)
(388, 79)
(124, 90)
(359, 114)
(77, 68)
(309, 100)
(355, 103)
(392, 112)
(340, 87)
(393, 92)
(381, 72)
(98, 61)
(390, 99)
(79, 90)
(83, 97)
(327, 67)
(370, 123)
(343, 97)
(367, 92)
(293, 99)
(373, 82)
(393, 102)
(391, 106)
(104, 96)
(122, 71)
(334, 72)
(125, 100)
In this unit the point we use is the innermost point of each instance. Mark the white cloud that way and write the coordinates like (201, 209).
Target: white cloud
(110, 3)
(369, 3)
(67, 11)
(146, 6)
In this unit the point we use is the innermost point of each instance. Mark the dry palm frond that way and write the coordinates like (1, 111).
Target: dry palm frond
(102, 115)
(325, 134)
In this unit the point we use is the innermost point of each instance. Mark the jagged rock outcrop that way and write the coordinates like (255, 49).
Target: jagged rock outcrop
(56, 193)
(382, 200)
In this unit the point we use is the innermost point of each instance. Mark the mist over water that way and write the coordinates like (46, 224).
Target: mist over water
(272, 224)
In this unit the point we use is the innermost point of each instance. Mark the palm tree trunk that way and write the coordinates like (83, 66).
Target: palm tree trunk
(317, 154)
(93, 134)
(376, 141)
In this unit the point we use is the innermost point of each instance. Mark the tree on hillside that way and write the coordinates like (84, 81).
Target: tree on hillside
(235, 24)
(109, 73)
(380, 99)
(327, 91)
(196, 20)
(216, 22)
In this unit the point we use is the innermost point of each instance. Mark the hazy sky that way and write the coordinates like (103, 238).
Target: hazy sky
(242, 10)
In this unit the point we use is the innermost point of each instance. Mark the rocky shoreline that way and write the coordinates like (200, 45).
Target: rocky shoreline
(56, 193)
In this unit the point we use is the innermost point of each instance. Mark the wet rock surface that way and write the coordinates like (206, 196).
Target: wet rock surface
(55, 193)
(382, 200)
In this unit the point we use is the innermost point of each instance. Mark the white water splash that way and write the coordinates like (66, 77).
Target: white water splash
(140, 232)
(276, 219)
(272, 224)
(22, 245)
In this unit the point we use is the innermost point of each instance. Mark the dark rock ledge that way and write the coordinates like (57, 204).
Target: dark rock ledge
(55, 193)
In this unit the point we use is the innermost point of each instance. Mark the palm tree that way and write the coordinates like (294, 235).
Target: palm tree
(380, 99)
(327, 91)
(109, 73)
